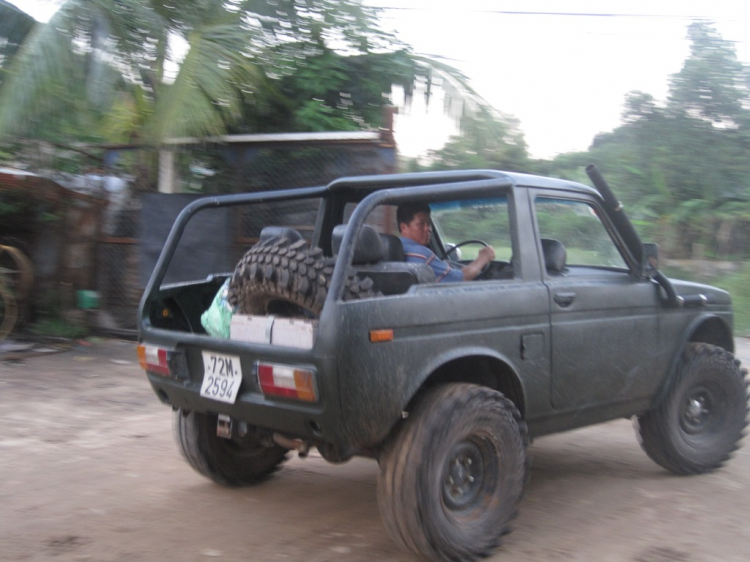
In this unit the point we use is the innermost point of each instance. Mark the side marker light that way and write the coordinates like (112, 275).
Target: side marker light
(381, 335)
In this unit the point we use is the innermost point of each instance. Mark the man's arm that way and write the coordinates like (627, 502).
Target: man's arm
(416, 253)
(486, 255)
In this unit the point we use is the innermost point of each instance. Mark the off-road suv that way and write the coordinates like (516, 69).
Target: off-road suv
(324, 336)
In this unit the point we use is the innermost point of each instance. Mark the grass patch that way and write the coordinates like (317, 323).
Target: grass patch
(58, 328)
(736, 284)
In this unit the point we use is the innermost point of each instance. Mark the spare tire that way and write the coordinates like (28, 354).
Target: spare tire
(285, 278)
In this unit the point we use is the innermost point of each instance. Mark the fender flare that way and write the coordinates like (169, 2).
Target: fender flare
(688, 334)
(465, 352)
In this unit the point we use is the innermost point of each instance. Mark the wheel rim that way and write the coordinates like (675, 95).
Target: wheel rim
(463, 476)
(698, 412)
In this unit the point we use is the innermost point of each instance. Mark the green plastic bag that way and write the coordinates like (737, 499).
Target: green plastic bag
(218, 317)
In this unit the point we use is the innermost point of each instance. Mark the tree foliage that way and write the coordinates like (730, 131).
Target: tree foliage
(14, 27)
(331, 91)
(122, 70)
(488, 139)
(682, 167)
(712, 85)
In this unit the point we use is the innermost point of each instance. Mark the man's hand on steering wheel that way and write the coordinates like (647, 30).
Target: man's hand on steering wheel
(480, 265)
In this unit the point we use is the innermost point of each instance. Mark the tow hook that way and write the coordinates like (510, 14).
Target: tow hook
(224, 426)
(302, 447)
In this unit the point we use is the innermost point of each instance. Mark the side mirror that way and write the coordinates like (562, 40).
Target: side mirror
(650, 260)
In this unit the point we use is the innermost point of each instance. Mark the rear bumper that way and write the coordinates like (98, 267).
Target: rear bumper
(180, 387)
(313, 422)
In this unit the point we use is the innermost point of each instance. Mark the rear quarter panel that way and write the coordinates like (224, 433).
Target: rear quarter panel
(432, 325)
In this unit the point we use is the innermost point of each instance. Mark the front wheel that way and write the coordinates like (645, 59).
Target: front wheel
(452, 474)
(228, 462)
(701, 420)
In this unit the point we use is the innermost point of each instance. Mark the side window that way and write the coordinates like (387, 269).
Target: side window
(382, 219)
(482, 219)
(577, 226)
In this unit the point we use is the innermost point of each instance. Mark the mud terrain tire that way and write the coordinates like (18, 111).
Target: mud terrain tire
(452, 474)
(236, 462)
(701, 419)
(286, 279)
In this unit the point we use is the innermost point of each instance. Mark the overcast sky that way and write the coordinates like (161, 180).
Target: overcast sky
(561, 68)
(564, 76)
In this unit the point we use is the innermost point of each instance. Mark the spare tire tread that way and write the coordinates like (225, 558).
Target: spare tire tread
(277, 270)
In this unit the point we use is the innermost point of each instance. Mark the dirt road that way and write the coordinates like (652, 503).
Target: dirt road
(89, 471)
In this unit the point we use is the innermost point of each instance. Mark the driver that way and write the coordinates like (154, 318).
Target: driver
(416, 228)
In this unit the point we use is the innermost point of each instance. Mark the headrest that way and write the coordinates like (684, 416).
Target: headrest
(368, 248)
(554, 255)
(394, 249)
(279, 232)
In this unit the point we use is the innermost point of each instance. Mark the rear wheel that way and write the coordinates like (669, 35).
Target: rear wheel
(230, 462)
(701, 420)
(452, 474)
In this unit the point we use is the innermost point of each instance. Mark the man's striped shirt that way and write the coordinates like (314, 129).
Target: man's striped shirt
(416, 253)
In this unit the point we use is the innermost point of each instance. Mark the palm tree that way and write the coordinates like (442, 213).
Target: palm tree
(101, 68)
(102, 55)
(14, 26)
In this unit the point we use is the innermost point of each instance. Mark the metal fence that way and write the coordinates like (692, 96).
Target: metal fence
(138, 221)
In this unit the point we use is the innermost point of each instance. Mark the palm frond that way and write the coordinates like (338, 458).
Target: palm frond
(14, 26)
(40, 73)
(456, 87)
(208, 92)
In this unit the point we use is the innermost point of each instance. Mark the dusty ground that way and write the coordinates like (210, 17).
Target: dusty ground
(89, 471)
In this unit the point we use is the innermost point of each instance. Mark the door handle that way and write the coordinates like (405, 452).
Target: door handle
(565, 299)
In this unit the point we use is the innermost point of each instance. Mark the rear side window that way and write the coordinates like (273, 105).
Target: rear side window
(215, 238)
(382, 218)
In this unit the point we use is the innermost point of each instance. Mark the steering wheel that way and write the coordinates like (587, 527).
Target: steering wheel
(486, 268)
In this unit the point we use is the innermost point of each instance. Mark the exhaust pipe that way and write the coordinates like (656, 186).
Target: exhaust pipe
(302, 447)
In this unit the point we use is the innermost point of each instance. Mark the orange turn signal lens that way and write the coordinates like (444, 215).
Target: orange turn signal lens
(381, 335)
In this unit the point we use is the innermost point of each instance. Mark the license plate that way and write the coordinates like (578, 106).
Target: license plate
(222, 376)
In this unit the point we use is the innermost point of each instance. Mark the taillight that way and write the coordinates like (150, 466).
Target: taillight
(287, 382)
(154, 359)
